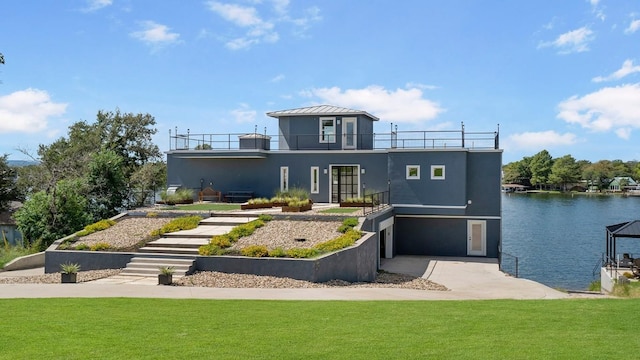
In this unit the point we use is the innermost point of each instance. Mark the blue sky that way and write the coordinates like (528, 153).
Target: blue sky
(557, 75)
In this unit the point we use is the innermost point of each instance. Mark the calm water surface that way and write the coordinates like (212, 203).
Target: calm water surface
(558, 239)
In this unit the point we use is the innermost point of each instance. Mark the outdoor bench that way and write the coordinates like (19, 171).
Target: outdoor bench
(238, 196)
(210, 195)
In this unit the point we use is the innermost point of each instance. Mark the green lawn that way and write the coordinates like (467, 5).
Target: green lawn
(206, 329)
(209, 206)
(339, 210)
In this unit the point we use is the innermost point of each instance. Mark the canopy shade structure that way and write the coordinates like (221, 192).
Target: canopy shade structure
(629, 229)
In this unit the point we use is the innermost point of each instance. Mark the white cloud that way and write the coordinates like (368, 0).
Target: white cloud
(94, 5)
(610, 108)
(633, 27)
(572, 41)
(626, 69)
(244, 114)
(277, 78)
(258, 28)
(28, 111)
(539, 140)
(421, 86)
(400, 105)
(156, 35)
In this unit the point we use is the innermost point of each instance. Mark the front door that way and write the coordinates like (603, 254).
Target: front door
(349, 133)
(345, 183)
(476, 238)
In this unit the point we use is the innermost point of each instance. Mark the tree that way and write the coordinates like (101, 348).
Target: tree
(129, 136)
(146, 180)
(565, 170)
(599, 174)
(540, 167)
(47, 216)
(107, 185)
(8, 189)
(517, 172)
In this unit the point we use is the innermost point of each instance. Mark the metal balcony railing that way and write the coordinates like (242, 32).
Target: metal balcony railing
(372, 141)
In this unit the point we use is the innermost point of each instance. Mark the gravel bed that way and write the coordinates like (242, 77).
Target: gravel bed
(224, 280)
(126, 233)
(283, 233)
(54, 278)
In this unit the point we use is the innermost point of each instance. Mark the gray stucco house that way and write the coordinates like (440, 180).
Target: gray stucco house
(443, 187)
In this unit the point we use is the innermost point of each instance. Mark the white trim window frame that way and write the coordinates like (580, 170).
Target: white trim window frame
(413, 172)
(284, 178)
(437, 172)
(315, 179)
(327, 130)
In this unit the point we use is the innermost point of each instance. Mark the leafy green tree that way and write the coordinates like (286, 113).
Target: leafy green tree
(565, 170)
(107, 185)
(620, 168)
(129, 135)
(599, 174)
(8, 189)
(146, 180)
(540, 167)
(47, 216)
(517, 172)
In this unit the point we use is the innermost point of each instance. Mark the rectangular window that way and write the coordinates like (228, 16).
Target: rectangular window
(437, 172)
(315, 179)
(413, 172)
(284, 178)
(327, 130)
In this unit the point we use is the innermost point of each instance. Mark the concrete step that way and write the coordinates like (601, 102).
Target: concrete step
(227, 220)
(178, 244)
(168, 250)
(150, 266)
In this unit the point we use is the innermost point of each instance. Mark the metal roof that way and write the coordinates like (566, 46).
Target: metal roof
(629, 229)
(321, 110)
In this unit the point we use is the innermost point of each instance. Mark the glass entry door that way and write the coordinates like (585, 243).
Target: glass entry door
(345, 183)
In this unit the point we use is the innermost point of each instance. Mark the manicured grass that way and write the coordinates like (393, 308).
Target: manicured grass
(205, 329)
(209, 206)
(339, 210)
(9, 253)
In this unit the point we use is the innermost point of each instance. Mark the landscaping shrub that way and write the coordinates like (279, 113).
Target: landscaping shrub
(183, 223)
(259, 201)
(255, 251)
(210, 250)
(152, 215)
(277, 252)
(83, 247)
(98, 226)
(101, 246)
(300, 253)
(222, 241)
(349, 238)
(298, 203)
(265, 217)
(348, 224)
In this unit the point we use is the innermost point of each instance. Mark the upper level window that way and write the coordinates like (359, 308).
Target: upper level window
(413, 172)
(437, 172)
(327, 129)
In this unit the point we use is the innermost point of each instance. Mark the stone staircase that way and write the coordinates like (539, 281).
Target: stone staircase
(175, 249)
(149, 266)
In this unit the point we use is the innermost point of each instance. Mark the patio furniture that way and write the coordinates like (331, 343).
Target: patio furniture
(626, 261)
(635, 267)
(238, 196)
(210, 195)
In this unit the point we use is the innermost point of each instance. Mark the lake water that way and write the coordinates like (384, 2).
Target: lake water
(558, 239)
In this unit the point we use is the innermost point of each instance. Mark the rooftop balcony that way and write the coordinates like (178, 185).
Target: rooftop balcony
(450, 139)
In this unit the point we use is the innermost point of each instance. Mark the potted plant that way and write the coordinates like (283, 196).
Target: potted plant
(166, 275)
(69, 273)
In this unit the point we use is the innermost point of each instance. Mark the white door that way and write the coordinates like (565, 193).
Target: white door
(476, 238)
(349, 133)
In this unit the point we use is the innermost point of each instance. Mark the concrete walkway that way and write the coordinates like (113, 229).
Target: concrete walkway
(467, 279)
